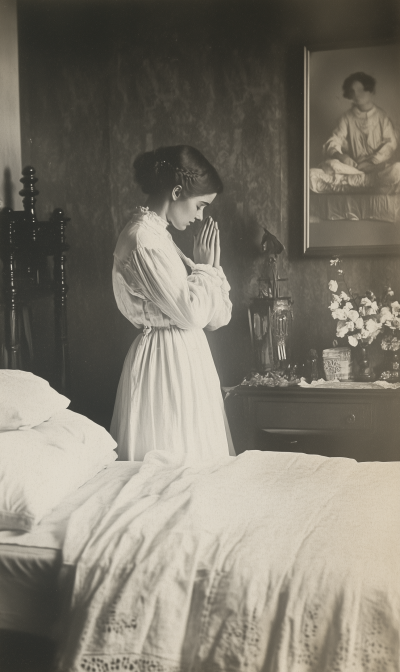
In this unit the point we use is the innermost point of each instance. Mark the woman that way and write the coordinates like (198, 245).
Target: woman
(361, 150)
(169, 395)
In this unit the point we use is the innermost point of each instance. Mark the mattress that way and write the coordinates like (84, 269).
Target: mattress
(31, 586)
(355, 207)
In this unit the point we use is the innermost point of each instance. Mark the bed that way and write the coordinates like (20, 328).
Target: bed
(268, 561)
(265, 562)
(346, 223)
(355, 207)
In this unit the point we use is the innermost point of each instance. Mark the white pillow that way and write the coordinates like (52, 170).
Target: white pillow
(67, 427)
(42, 465)
(26, 400)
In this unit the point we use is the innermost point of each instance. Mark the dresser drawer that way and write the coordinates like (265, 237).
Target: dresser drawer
(317, 416)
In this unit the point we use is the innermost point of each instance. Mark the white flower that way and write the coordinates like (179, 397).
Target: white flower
(386, 315)
(365, 301)
(345, 311)
(353, 315)
(339, 314)
(373, 308)
(396, 323)
(396, 307)
(359, 323)
(334, 305)
(372, 326)
(353, 341)
(367, 307)
(344, 296)
(334, 261)
(349, 305)
(333, 285)
(335, 297)
(343, 327)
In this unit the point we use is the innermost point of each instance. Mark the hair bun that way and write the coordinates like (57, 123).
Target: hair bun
(166, 167)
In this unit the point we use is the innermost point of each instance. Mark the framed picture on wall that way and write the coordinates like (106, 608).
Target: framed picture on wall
(352, 150)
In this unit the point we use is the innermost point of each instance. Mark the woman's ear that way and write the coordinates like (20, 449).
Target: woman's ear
(176, 192)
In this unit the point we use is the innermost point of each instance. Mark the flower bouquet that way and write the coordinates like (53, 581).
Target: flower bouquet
(357, 318)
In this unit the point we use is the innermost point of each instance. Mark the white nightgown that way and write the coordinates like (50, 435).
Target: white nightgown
(169, 395)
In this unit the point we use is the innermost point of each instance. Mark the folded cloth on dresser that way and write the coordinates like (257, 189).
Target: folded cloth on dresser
(267, 561)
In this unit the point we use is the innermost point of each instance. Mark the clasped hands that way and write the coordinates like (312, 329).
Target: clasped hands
(206, 248)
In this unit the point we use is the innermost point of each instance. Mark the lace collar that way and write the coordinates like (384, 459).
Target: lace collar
(152, 216)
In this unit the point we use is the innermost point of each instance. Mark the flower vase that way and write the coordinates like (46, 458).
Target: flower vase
(392, 369)
(365, 373)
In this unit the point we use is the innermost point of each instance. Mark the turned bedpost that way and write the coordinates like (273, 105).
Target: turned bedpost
(10, 289)
(59, 221)
(29, 192)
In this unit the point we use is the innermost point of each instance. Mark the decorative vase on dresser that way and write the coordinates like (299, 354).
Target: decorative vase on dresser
(365, 373)
(391, 367)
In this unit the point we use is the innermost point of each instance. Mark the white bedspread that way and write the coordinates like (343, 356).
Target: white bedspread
(267, 562)
(30, 594)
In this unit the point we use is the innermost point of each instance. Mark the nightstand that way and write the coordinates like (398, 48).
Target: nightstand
(360, 424)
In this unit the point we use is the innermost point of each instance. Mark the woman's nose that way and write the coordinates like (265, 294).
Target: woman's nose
(199, 215)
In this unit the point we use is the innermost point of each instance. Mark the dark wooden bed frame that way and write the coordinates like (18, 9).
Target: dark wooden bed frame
(25, 246)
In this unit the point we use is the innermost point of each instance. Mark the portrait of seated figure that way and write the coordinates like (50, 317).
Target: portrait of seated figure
(362, 153)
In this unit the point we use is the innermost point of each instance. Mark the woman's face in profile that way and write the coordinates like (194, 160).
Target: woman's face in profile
(185, 211)
(361, 98)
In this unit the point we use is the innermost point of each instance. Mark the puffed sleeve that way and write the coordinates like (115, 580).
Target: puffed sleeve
(338, 141)
(388, 145)
(200, 300)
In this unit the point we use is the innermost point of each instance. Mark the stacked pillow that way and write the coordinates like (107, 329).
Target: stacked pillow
(26, 400)
(56, 453)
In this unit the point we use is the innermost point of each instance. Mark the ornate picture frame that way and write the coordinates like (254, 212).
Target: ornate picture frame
(352, 150)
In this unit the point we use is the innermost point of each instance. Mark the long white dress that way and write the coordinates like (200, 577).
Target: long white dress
(169, 395)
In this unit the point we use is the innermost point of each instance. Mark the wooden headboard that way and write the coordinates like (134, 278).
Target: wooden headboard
(26, 245)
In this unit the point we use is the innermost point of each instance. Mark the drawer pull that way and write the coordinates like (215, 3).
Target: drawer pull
(351, 419)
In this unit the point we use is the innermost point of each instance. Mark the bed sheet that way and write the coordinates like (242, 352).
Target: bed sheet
(267, 561)
(30, 562)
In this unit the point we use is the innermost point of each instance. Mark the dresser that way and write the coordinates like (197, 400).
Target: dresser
(360, 424)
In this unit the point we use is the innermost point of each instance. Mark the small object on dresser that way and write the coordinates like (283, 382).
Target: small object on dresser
(312, 365)
(366, 373)
(337, 364)
(392, 373)
(272, 379)
(270, 322)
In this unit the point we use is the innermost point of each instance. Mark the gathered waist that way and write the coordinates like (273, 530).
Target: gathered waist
(149, 328)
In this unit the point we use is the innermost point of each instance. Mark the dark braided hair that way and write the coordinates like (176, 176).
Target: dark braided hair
(166, 167)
